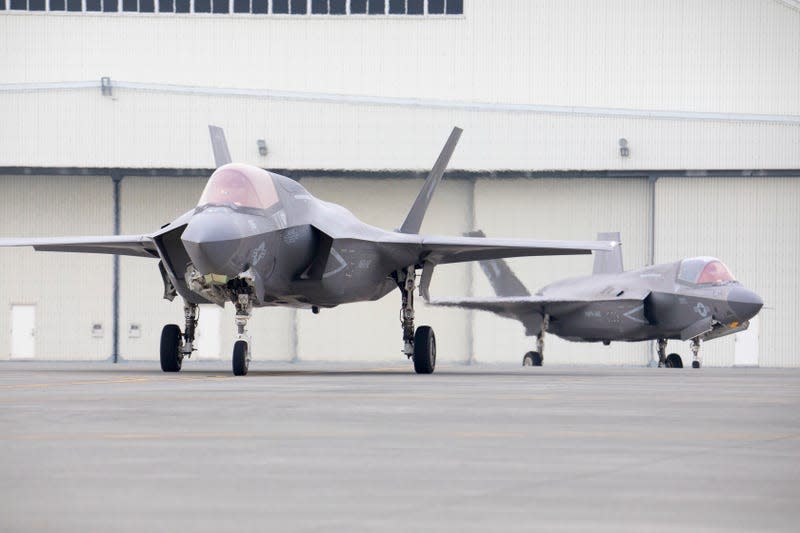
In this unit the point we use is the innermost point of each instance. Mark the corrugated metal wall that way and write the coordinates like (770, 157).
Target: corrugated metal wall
(71, 292)
(753, 225)
(144, 129)
(731, 55)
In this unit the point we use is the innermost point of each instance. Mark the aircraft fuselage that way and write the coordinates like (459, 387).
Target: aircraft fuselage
(645, 304)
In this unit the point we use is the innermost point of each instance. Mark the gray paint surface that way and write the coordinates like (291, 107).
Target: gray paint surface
(354, 448)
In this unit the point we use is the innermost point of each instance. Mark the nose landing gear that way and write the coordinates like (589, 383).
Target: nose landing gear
(241, 348)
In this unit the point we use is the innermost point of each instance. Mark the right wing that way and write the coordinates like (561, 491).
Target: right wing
(135, 245)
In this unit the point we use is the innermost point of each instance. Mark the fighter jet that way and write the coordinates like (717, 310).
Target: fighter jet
(259, 239)
(695, 299)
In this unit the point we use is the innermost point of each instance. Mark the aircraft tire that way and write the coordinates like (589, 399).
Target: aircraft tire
(240, 359)
(532, 359)
(171, 356)
(673, 361)
(695, 364)
(424, 350)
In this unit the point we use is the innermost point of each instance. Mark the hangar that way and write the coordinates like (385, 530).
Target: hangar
(676, 123)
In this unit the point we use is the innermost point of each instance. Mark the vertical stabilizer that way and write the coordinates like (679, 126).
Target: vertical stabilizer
(221, 154)
(503, 280)
(608, 262)
(415, 215)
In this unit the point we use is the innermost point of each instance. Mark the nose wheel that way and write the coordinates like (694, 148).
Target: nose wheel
(241, 348)
(241, 358)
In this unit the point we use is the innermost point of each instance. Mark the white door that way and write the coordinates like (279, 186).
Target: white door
(207, 335)
(745, 352)
(23, 331)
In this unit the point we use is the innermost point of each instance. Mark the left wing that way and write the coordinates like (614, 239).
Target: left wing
(442, 250)
(135, 245)
(428, 251)
(529, 310)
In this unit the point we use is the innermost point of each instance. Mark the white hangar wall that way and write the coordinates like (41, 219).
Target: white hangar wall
(536, 84)
(152, 129)
(71, 292)
(723, 55)
(753, 225)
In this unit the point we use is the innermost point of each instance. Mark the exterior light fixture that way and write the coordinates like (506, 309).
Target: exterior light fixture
(624, 151)
(105, 86)
(262, 147)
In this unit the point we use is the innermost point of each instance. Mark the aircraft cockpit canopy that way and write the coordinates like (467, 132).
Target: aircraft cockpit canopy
(704, 271)
(240, 186)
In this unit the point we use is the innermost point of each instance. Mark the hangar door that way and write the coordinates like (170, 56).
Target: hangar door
(23, 331)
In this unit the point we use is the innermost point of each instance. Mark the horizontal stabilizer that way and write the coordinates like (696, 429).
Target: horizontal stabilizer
(608, 262)
(413, 221)
(222, 155)
(135, 245)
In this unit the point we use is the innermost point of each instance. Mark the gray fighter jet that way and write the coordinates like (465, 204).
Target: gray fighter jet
(259, 239)
(696, 299)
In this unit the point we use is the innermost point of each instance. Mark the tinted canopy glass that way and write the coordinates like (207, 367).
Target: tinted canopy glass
(240, 186)
(704, 270)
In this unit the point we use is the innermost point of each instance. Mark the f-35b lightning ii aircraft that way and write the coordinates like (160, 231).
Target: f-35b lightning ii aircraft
(259, 239)
(696, 299)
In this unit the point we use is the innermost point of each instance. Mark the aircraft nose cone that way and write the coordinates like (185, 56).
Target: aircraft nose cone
(212, 241)
(744, 303)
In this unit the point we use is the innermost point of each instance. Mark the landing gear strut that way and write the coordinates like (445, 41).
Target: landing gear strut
(241, 348)
(419, 344)
(176, 345)
(696, 359)
(537, 358)
(672, 360)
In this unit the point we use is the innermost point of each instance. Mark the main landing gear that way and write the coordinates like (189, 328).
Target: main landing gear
(419, 344)
(536, 358)
(674, 360)
(176, 345)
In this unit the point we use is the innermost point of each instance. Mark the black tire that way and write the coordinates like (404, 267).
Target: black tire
(532, 359)
(673, 361)
(695, 364)
(424, 350)
(240, 358)
(171, 356)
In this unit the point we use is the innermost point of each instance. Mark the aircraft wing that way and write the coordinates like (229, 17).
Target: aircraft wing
(443, 250)
(135, 245)
(513, 306)
(527, 309)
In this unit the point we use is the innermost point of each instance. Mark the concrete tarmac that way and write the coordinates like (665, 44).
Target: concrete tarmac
(332, 447)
